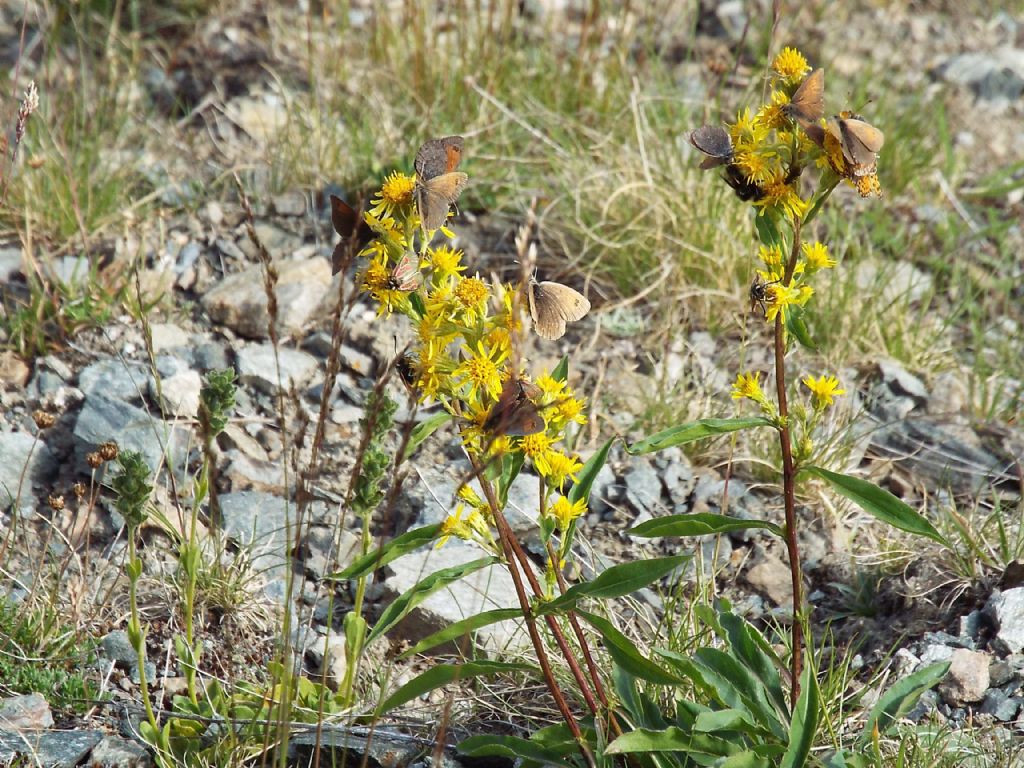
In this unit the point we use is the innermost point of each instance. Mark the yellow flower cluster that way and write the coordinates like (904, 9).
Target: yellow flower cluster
(812, 258)
(464, 357)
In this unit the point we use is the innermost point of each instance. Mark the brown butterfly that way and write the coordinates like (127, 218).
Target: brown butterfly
(859, 140)
(807, 105)
(438, 184)
(713, 141)
(406, 275)
(355, 232)
(515, 413)
(552, 305)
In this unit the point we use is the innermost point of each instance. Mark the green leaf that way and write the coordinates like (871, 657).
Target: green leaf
(901, 698)
(695, 430)
(561, 372)
(767, 232)
(797, 325)
(442, 674)
(671, 739)
(511, 466)
(751, 648)
(463, 627)
(511, 746)
(803, 726)
(878, 502)
(417, 304)
(737, 687)
(699, 524)
(398, 546)
(626, 655)
(423, 430)
(616, 581)
(746, 760)
(726, 720)
(401, 605)
(587, 475)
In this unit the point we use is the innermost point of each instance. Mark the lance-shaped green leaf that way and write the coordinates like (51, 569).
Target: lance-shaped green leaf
(398, 546)
(803, 725)
(626, 655)
(419, 592)
(672, 739)
(750, 647)
(587, 475)
(878, 502)
(442, 674)
(699, 524)
(796, 324)
(513, 746)
(423, 430)
(463, 627)
(616, 581)
(695, 430)
(901, 698)
(561, 372)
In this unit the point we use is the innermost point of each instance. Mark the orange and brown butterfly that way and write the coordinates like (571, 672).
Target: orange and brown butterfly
(515, 414)
(438, 184)
(552, 305)
(807, 104)
(859, 141)
(355, 232)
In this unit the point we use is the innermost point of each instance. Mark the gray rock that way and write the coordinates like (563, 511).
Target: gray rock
(209, 355)
(1007, 610)
(643, 487)
(178, 393)
(115, 379)
(168, 336)
(29, 712)
(257, 367)
(967, 679)
(53, 749)
(289, 204)
(604, 490)
(10, 262)
(926, 705)
(229, 249)
(240, 301)
(248, 474)
(325, 550)
(892, 282)
(680, 481)
(24, 462)
(116, 647)
(70, 270)
(708, 493)
(994, 76)
(936, 652)
(258, 522)
(103, 419)
(1000, 706)
(771, 577)
(483, 590)
(901, 382)
(1000, 673)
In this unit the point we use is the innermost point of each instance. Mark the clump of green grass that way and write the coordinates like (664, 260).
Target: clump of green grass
(39, 654)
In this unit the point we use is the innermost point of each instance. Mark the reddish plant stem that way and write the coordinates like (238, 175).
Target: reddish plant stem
(789, 480)
(509, 546)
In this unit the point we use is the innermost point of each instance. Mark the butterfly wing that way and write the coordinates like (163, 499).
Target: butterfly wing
(438, 156)
(406, 275)
(552, 305)
(861, 141)
(713, 141)
(435, 196)
(355, 232)
(514, 414)
(808, 103)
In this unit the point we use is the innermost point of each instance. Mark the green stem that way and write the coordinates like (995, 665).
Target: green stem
(137, 635)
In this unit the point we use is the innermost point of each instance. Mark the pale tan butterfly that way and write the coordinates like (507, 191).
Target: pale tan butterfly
(438, 184)
(552, 305)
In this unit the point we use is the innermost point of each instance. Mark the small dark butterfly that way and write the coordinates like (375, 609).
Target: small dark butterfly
(515, 413)
(355, 232)
(713, 141)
